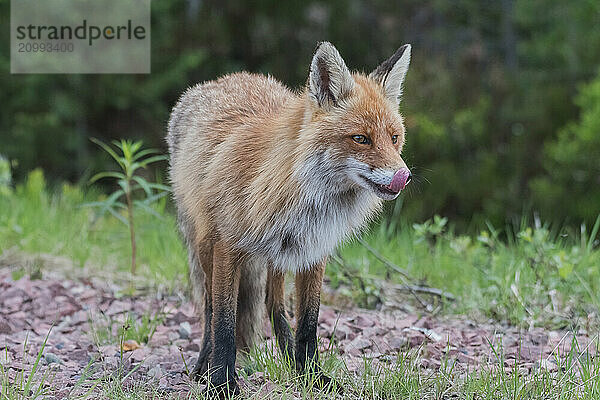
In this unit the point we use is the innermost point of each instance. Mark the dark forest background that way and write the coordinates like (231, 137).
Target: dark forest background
(502, 101)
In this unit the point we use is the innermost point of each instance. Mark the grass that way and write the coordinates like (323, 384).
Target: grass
(532, 278)
(529, 275)
(576, 376)
(34, 221)
(25, 384)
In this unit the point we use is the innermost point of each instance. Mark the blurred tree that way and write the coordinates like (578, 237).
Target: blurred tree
(571, 188)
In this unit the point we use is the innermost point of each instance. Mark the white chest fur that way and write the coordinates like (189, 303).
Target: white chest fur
(322, 218)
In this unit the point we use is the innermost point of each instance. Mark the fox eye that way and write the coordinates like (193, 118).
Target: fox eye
(361, 139)
(395, 139)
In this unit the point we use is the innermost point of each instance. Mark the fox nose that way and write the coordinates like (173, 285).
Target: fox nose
(401, 178)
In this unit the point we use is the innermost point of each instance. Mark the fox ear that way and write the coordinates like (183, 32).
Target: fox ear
(391, 73)
(329, 79)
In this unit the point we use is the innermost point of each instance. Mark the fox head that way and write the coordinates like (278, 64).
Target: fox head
(355, 121)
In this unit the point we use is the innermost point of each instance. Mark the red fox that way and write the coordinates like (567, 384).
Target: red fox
(268, 181)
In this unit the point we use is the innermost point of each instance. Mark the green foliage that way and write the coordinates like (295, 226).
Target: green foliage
(46, 120)
(355, 283)
(431, 229)
(536, 278)
(571, 187)
(131, 159)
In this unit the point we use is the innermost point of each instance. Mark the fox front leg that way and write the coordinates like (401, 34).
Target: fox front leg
(308, 301)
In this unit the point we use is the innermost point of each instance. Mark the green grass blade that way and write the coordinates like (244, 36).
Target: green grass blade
(26, 389)
(593, 235)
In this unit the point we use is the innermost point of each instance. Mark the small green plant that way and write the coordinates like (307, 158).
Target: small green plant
(141, 329)
(131, 160)
(430, 230)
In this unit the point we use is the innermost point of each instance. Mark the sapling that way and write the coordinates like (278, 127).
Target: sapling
(131, 159)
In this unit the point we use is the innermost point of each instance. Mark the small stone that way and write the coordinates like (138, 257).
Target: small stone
(359, 343)
(52, 358)
(342, 332)
(5, 327)
(158, 339)
(108, 350)
(185, 330)
(192, 347)
(397, 342)
(429, 333)
(511, 362)
(364, 321)
(156, 372)
(130, 345)
(138, 354)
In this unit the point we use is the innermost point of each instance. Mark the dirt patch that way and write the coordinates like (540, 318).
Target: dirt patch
(77, 311)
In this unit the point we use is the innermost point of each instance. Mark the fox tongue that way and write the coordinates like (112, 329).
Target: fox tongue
(399, 180)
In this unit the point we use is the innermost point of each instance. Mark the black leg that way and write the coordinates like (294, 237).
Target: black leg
(308, 300)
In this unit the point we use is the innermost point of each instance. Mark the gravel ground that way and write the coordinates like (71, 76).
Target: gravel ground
(77, 312)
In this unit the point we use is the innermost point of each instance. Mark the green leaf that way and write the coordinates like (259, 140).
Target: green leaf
(108, 174)
(143, 184)
(111, 201)
(159, 186)
(155, 197)
(124, 185)
(118, 216)
(144, 153)
(145, 207)
(153, 159)
(593, 235)
(109, 151)
(134, 166)
(135, 146)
